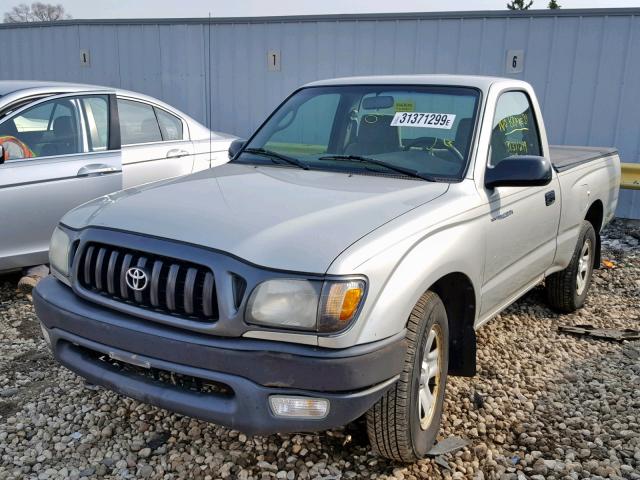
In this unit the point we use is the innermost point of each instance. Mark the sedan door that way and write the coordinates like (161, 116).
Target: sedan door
(155, 143)
(59, 153)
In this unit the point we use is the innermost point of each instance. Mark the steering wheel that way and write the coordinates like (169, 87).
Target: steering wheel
(433, 143)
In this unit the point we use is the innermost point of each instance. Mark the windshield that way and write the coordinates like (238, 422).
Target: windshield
(394, 130)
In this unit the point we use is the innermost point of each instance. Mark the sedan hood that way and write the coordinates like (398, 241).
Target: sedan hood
(276, 217)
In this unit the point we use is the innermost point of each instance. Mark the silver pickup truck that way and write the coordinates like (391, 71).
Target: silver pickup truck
(339, 265)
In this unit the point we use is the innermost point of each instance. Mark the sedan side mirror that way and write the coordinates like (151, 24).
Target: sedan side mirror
(4, 155)
(235, 147)
(519, 171)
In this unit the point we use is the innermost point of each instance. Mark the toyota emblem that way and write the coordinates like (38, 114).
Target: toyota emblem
(136, 278)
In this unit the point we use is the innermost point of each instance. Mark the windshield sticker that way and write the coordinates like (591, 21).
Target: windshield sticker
(405, 106)
(423, 120)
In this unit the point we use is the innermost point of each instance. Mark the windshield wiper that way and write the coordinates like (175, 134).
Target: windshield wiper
(275, 155)
(358, 158)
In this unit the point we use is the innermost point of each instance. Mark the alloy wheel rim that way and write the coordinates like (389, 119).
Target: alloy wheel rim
(584, 267)
(430, 376)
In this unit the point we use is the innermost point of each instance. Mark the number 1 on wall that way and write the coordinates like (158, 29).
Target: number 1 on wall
(273, 60)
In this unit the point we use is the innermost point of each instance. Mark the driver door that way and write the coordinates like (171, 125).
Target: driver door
(522, 226)
(60, 153)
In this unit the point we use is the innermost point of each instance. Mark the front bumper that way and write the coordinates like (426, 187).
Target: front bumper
(250, 371)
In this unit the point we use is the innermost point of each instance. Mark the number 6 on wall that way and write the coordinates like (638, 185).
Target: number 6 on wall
(515, 61)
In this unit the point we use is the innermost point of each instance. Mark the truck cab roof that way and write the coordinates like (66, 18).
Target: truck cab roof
(475, 81)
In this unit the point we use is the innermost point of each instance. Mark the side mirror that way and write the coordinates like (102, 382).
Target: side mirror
(519, 171)
(3, 155)
(235, 147)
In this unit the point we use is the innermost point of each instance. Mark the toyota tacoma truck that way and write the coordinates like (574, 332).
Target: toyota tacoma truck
(338, 266)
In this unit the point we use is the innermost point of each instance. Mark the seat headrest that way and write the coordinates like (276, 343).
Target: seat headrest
(463, 136)
(376, 135)
(63, 126)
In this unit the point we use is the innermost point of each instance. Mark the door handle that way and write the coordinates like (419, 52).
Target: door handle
(549, 197)
(177, 153)
(96, 169)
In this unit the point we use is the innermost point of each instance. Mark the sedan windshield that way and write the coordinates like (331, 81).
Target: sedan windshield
(408, 131)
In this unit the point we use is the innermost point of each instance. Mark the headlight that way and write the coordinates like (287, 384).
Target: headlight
(285, 303)
(306, 304)
(59, 251)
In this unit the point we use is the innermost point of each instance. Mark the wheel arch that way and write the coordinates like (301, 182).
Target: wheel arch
(595, 216)
(458, 295)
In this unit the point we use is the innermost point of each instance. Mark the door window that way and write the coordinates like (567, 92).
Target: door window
(96, 111)
(47, 129)
(138, 123)
(515, 130)
(170, 125)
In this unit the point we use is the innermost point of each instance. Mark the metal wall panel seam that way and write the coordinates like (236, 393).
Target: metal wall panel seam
(546, 85)
(597, 82)
(571, 77)
(625, 71)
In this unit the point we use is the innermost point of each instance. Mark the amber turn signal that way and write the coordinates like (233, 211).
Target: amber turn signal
(339, 304)
(350, 303)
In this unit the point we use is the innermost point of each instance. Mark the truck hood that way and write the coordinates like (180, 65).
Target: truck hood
(276, 217)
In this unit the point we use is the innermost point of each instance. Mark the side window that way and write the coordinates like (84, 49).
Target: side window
(170, 125)
(96, 110)
(515, 131)
(47, 129)
(138, 123)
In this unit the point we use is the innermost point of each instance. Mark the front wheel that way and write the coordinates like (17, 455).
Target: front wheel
(567, 290)
(403, 424)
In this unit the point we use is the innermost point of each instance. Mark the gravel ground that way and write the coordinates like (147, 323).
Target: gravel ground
(543, 405)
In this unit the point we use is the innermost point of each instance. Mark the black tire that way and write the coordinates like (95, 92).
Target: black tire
(394, 422)
(564, 293)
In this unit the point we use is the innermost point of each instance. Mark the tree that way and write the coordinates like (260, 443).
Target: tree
(36, 12)
(553, 5)
(20, 13)
(519, 5)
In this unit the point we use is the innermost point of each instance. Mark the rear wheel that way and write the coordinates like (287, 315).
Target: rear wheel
(567, 290)
(403, 424)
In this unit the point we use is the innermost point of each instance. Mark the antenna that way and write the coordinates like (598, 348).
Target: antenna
(210, 96)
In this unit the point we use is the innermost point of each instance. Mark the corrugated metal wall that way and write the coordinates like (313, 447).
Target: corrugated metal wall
(584, 64)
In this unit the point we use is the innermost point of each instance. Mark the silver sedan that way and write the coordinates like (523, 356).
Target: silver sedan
(63, 144)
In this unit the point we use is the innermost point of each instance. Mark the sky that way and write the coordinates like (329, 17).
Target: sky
(249, 8)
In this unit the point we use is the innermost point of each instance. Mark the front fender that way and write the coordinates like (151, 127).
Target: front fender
(399, 275)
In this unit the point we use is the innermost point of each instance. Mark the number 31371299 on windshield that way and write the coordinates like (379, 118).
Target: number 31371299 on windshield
(423, 119)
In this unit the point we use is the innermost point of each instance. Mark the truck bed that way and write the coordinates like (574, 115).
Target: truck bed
(565, 157)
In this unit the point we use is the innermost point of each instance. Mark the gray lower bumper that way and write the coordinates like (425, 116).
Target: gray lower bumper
(245, 406)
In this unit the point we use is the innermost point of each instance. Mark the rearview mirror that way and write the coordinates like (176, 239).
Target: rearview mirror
(235, 147)
(519, 171)
(378, 102)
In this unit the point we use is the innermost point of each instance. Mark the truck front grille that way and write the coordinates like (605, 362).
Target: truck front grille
(163, 284)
